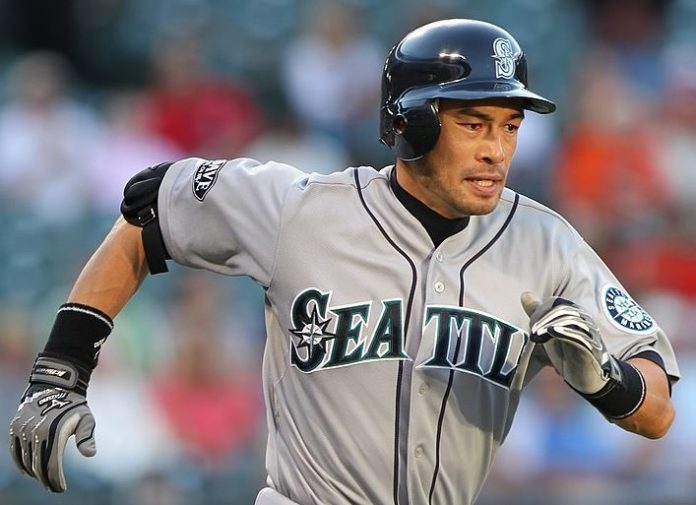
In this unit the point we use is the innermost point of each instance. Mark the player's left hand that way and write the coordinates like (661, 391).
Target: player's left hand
(572, 341)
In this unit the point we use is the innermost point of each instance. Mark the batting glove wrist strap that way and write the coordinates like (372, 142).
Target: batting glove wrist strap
(622, 396)
(50, 370)
(77, 335)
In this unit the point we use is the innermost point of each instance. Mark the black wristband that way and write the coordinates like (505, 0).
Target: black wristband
(78, 334)
(620, 399)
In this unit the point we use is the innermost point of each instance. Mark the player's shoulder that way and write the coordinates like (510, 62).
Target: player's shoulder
(532, 214)
(244, 164)
(272, 172)
(529, 206)
(352, 177)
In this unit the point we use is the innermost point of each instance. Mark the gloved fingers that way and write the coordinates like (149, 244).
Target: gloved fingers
(38, 442)
(15, 446)
(84, 436)
(16, 453)
(53, 474)
(575, 336)
(560, 312)
(564, 316)
(566, 321)
(581, 333)
(568, 334)
(25, 442)
(553, 311)
(540, 336)
(39, 462)
(28, 457)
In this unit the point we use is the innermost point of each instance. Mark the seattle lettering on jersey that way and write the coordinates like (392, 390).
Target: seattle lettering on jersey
(328, 337)
(491, 348)
(318, 348)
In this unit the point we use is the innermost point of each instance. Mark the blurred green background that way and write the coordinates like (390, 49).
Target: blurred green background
(92, 91)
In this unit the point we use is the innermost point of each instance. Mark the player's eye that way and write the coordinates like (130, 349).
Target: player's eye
(511, 128)
(474, 127)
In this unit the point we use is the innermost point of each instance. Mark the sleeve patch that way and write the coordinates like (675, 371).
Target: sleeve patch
(205, 176)
(624, 313)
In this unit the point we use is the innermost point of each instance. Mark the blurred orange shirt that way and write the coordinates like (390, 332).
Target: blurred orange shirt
(609, 173)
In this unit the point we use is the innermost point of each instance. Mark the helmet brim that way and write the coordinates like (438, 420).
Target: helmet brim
(479, 90)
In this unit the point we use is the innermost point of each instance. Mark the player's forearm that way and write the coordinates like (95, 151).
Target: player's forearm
(655, 416)
(114, 272)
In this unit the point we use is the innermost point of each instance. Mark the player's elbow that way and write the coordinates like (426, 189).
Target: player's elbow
(659, 425)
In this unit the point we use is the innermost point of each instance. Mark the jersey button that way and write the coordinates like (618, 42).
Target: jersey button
(418, 452)
(439, 287)
(423, 388)
(439, 257)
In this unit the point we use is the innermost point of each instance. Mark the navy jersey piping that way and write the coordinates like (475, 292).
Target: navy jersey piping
(445, 398)
(409, 305)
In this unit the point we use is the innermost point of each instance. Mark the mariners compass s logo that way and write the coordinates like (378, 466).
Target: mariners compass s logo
(504, 58)
(313, 333)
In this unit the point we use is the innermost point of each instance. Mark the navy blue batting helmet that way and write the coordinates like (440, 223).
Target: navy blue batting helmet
(457, 59)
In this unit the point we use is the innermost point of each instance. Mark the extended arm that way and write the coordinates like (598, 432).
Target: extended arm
(114, 272)
(54, 406)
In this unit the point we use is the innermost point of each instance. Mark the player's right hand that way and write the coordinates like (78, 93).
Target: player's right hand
(572, 342)
(47, 417)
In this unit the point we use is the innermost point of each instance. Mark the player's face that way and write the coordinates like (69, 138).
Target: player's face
(466, 171)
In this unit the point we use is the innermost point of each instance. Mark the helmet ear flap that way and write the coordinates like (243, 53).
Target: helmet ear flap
(416, 131)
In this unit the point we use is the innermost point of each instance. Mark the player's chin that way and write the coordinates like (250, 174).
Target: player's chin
(478, 205)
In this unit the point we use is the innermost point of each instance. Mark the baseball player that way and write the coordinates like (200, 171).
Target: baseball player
(406, 308)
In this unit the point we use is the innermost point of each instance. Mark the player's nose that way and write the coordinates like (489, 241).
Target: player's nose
(491, 149)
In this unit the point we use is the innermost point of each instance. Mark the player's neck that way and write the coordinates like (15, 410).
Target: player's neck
(438, 227)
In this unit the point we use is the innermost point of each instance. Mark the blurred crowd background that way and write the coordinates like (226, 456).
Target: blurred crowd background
(92, 91)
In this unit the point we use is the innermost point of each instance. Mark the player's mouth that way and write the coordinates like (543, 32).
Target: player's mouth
(485, 185)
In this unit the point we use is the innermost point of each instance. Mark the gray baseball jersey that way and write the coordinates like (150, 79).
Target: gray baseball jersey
(392, 368)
